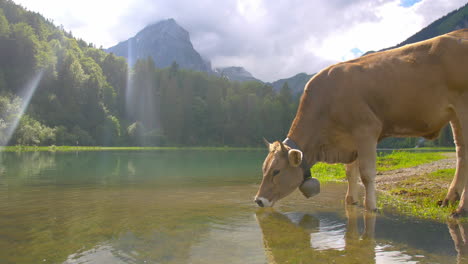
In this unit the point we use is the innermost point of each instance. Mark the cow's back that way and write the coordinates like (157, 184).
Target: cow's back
(421, 82)
(453, 49)
(408, 89)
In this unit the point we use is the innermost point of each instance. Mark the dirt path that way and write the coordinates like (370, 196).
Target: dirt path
(388, 177)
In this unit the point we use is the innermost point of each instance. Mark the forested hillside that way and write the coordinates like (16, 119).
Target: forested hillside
(454, 20)
(75, 94)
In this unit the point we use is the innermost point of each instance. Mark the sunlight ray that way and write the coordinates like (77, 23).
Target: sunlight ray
(26, 94)
(129, 87)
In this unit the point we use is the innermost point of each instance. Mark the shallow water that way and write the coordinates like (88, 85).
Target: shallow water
(183, 206)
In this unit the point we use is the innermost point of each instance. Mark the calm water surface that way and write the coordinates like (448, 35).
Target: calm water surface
(182, 206)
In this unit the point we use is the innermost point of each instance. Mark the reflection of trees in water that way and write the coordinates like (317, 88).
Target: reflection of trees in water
(20, 167)
(153, 247)
(139, 224)
(59, 169)
(59, 204)
(66, 223)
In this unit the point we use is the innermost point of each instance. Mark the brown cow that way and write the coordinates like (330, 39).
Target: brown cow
(347, 108)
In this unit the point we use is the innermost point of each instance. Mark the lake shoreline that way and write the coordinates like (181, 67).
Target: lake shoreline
(100, 148)
(53, 148)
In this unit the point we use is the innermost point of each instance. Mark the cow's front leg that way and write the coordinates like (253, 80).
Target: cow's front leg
(352, 174)
(367, 158)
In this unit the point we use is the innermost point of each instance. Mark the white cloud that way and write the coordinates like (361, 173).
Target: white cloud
(393, 25)
(87, 19)
(271, 39)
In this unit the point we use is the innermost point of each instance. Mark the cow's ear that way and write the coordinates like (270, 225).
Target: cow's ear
(267, 144)
(295, 157)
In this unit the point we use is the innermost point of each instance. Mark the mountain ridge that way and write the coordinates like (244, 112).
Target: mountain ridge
(235, 73)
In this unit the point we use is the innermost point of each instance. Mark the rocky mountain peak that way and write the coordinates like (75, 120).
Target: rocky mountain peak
(165, 42)
(167, 29)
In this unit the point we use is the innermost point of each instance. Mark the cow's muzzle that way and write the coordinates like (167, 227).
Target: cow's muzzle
(259, 202)
(262, 202)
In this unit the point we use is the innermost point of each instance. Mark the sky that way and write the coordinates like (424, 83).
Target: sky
(270, 39)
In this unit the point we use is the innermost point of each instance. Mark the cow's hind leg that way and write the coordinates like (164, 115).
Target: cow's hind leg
(352, 174)
(458, 183)
(461, 111)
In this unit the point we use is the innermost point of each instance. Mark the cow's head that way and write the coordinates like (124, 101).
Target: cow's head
(281, 173)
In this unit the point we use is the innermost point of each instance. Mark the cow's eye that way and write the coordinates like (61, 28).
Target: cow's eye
(275, 172)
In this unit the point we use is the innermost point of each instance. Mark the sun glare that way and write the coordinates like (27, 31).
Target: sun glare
(26, 94)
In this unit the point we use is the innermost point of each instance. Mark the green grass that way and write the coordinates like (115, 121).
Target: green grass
(328, 172)
(396, 160)
(98, 148)
(402, 159)
(416, 197)
(423, 207)
(419, 196)
(444, 174)
(447, 149)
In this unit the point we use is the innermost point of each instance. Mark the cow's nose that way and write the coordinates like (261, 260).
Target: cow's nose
(259, 202)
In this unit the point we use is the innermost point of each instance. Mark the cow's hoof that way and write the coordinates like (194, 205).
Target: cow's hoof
(351, 201)
(459, 213)
(450, 199)
(446, 202)
(372, 210)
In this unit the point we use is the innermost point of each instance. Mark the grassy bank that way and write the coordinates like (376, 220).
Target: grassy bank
(401, 159)
(97, 148)
(413, 196)
(396, 160)
(419, 196)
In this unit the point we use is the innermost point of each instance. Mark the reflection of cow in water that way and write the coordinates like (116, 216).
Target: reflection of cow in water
(459, 232)
(322, 238)
(347, 108)
(301, 242)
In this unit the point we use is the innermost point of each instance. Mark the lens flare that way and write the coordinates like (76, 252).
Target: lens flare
(26, 94)
(129, 88)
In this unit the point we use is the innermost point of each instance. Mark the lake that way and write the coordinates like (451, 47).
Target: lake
(192, 206)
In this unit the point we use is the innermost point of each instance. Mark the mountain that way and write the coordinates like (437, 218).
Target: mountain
(235, 74)
(296, 83)
(454, 20)
(165, 42)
